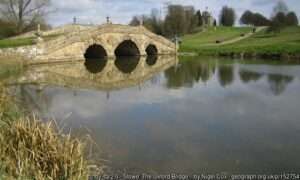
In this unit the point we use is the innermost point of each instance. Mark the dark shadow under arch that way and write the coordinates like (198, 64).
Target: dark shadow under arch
(151, 50)
(95, 65)
(95, 51)
(127, 64)
(127, 48)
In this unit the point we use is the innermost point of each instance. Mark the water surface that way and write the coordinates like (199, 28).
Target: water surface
(164, 115)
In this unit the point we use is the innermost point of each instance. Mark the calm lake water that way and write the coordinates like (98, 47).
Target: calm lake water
(164, 115)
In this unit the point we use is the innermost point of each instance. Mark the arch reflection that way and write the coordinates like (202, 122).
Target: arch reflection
(95, 66)
(151, 60)
(127, 64)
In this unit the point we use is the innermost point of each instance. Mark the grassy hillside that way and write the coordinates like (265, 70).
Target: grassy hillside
(287, 41)
(210, 36)
(8, 43)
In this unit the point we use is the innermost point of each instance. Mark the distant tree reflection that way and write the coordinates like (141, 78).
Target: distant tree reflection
(189, 72)
(226, 75)
(278, 83)
(247, 76)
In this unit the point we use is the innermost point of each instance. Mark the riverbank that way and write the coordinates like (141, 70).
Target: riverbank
(283, 45)
(30, 148)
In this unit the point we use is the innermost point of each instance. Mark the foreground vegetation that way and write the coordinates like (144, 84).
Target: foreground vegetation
(31, 149)
(287, 42)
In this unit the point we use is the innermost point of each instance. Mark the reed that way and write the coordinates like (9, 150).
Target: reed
(32, 149)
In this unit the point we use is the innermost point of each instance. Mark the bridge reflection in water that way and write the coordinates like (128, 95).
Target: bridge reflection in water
(181, 119)
(102, 74)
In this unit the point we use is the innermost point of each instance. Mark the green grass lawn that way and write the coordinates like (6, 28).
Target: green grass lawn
(287, 41)
(211, 35)
(8, 43)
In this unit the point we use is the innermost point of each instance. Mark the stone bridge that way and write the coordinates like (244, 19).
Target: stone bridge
(107, 40)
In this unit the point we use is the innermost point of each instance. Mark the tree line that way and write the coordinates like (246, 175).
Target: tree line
(181, 20)
(19, 16)
(281, 15)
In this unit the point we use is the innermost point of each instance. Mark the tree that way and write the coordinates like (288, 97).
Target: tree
(156, 22)
(23, 13)
(175, 21)
(6, 29)
(191, 19)
(255, 19)
(152, 22)
(260, 20)
(246, 18)
(278, 22)
(135, 21)
(292, 19)
(280, 7)
(280, 18)
(227, 16)
(199, 17)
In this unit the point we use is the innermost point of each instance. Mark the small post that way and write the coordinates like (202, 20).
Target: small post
(176, 43)
(107, 95)
(39, 29)
(74, 20)
(141, 21)
(107, 20)
(38, 34)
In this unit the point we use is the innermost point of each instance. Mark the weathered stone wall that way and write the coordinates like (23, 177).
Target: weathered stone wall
(28, 52)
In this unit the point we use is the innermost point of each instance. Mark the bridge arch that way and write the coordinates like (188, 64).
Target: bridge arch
(151, 50)
(95, 51)
(127, 48)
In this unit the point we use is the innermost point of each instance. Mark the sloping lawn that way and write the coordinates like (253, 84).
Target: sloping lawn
(8, 43)
(287, 41)
(211, 36)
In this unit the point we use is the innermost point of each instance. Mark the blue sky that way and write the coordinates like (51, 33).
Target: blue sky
(121, 11)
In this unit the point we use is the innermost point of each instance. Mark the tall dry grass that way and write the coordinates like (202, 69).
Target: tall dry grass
(31, 149)
(34, 150)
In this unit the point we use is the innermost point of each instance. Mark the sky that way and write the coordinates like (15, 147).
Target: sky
(121, 11)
